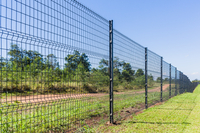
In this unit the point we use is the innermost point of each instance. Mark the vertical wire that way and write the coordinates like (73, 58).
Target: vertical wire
(1, 96)
(55, 82)
(62, 78)
(67, 76)
(12, 92)
(21, 66)
(37, 31)
(70, 43)
(25, 62)
(48, 36)
(6, 74)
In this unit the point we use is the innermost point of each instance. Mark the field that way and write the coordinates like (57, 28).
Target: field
(70, 113)
(178, 114)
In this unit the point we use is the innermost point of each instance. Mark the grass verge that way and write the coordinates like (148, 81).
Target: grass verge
(67, 114)
(178, 114)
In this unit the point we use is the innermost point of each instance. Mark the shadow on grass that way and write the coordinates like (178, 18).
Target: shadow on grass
(181, 102)
(186, 123)
(173, 109)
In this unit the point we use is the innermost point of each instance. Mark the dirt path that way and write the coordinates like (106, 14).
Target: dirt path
(50, 97)
(156, 89)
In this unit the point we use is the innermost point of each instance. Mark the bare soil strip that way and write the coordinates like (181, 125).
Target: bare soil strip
(50, 97)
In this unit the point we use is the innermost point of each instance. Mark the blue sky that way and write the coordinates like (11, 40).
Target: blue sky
(170, 28)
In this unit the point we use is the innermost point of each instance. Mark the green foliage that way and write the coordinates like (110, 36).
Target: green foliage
(139, 73)
(150, 81)
(128, 73)
(139, 82)
(103, 67)
(75, 59)
(196, 80)
(80, 73)
(166, 80)
(16, 54)
(98, 78)
(45, 73)
(2, 62)
(158, 79)
(51, 61)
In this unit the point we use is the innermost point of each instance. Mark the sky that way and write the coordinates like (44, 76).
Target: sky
(170, 28)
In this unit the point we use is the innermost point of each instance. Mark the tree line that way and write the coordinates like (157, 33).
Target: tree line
(27, 70)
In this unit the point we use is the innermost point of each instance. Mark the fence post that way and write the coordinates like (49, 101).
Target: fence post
(170, 81)
(184, 83)
(161, 71)
(111, 68)
(175, 81)
(146, 100)
(180, 91)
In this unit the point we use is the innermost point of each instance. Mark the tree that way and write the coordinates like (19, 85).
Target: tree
(127, 72)
(2, 62)
(75, 59)
(196, 80)
(51, 61)
(150, 77)
(103, 66)
(116, 63)
(166, 79)
(16, 54)
(150, 80)
(80, 73)
(139, 82)
(116, 66)
(22, 58)
(158, 79)
(139, 73)
(30, 56)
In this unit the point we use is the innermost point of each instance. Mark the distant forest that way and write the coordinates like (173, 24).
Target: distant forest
(28, 70)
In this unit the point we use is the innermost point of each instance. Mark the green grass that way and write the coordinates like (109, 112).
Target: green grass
(66, 114)
(178, 114)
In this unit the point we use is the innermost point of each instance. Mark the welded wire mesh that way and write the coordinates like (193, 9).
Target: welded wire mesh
(55, 56)
(166, 77)
(128, 71)
(178, 81)
(55, 74)
(173, 78)
(154, 77)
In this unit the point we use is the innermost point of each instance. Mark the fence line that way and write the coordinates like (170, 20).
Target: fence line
(63, 66)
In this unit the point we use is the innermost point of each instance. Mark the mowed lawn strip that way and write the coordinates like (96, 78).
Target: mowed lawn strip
(194, 117)
(179, 114)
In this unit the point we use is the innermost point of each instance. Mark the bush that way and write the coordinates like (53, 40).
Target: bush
(139, 82)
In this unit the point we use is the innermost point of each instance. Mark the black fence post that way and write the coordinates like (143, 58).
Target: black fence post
(170, 81)
(175, 81)
(146, 100)
(111, 68)
(180, 91)
(161, 74)
(184, 83)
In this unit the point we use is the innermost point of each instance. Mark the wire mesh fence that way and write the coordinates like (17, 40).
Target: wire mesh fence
(173, 82)
(154, 75)
(128, 74)
(62, 64)
(166, 81)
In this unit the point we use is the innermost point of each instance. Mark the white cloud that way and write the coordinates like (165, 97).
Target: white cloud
(187, 56)
(195, 73)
